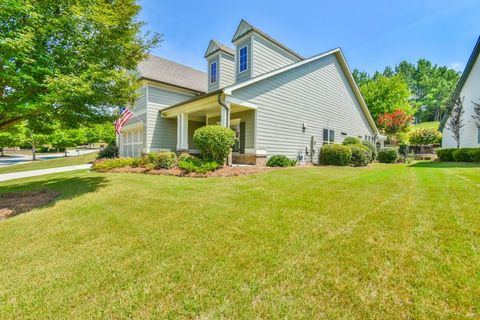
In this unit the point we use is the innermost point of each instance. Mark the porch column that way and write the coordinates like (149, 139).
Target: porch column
(225, 116)
(182, 131)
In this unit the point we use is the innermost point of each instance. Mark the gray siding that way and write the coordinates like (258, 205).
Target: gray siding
(161, 133)
(216, 85)
(227, 70)
(268, 56)
(245, 116)
(240, 77)
(140, 104)
(192, 126)
(317, 94)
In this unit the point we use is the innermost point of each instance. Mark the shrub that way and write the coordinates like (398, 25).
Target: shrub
(372, 148)
(196, 165)
(445, 154)
(184, 156)
(475, 154)
(424, 136)
(463, 155)
(162, 160)
(110, 151)
(108, 164)
(335, 154)
(388, 155)
(280, 161)
(352, 140)
(360, 156)
(214, 142)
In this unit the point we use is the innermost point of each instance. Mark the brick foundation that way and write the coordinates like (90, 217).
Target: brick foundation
(249, 159)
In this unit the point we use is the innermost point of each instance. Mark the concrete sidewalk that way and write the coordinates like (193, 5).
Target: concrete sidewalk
(34, 173)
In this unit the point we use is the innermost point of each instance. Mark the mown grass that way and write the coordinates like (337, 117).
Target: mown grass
(429, 124)
(385, 242)
(51, 163)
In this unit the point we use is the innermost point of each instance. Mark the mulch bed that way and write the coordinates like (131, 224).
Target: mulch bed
(225, 171)
(15, 203)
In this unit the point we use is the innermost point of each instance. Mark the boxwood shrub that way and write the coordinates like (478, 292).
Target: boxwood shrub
(463, 155)
(352, 140)
(162, 160)
(335, 155)
(445, 154)
(360, 155)
(214, 142)
(196, 165)
(388, 155)
(280, 161)
(110, 151)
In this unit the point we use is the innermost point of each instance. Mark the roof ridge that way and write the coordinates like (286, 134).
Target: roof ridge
(177, 63)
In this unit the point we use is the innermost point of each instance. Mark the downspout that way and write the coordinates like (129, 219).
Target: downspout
(227, 108)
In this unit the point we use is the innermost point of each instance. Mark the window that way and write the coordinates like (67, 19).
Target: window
(243, 61)
(213, 73)
(328, 136)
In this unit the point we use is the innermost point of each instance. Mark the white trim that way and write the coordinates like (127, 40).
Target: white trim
(171, 87)
(243, 103)
(261, 152)
(210, 64)
(343, 63)
(240, 58)
(250, 151)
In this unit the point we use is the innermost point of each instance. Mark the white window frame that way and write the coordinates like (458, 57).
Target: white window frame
(131, 139)
(329, 132)
(216, 72)
(240, 59)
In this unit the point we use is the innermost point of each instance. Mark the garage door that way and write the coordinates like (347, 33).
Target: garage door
(131, 144)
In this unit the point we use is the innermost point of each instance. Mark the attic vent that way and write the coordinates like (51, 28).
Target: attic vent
(344, 133)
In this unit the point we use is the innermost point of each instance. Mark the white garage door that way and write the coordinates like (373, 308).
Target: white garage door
(131, 144)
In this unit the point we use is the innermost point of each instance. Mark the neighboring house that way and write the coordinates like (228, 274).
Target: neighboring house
(275, 100)
(468, 89)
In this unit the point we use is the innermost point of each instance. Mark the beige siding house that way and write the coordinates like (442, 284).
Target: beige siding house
(468, 89)
(276, 101)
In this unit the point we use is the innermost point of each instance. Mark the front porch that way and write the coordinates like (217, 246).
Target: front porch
(216, 109)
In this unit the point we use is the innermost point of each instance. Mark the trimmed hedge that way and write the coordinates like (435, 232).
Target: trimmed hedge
(352, 141)
(459, 155)
(280, 161)
(335, 155)
(214, 142)
(445, 154)
(388, 155)
(361, 155)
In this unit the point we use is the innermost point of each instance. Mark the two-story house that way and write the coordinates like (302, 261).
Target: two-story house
(276, 101)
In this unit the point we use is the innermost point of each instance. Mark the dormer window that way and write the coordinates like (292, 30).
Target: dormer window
(213, 73)
(243, 60)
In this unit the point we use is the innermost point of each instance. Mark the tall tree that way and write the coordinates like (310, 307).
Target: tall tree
(68, 61)
(455, 119)
(385, 95)
(10, 138)
(361, 77)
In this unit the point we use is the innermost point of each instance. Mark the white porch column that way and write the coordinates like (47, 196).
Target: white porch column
(225, 116)
(182, 131)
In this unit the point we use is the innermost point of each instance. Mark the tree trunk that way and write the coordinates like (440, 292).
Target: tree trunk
(34, 153)
(66, 152)
(3, 155)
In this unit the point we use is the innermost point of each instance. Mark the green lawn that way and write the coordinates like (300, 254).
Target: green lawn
(385, 242)
(431, 124)
(53, 163)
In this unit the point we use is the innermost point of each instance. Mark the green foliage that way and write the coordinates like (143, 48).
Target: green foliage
(372, 149)
(103, 165)
(336, 155)
(214, 142)
(12, 137)
(385, 95)
(63, 139)
(198, 166)
(352, 140)
(162, 160)
(424, 136)
(184, 156)
(68, 61)
(280, 161)
(361, 156)
(463, 155)
(445, 154)
(388, 155)
(111, 151)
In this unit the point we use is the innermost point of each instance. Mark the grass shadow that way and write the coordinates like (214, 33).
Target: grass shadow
(441, 165)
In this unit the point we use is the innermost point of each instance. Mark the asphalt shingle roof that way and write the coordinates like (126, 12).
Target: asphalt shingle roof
(169, 72)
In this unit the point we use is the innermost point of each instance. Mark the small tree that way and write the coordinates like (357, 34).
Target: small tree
(476, 113)
(11, 137)
(67, 138)
(455, 120)
(394, 123)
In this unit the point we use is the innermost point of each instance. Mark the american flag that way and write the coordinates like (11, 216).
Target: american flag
(125, 114)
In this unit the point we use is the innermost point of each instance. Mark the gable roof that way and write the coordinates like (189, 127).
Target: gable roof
(244, 28)
(466, 73)
(165, 71)
(343, 63)
(215, 46)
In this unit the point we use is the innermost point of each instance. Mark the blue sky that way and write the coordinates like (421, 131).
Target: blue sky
(372, 34)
